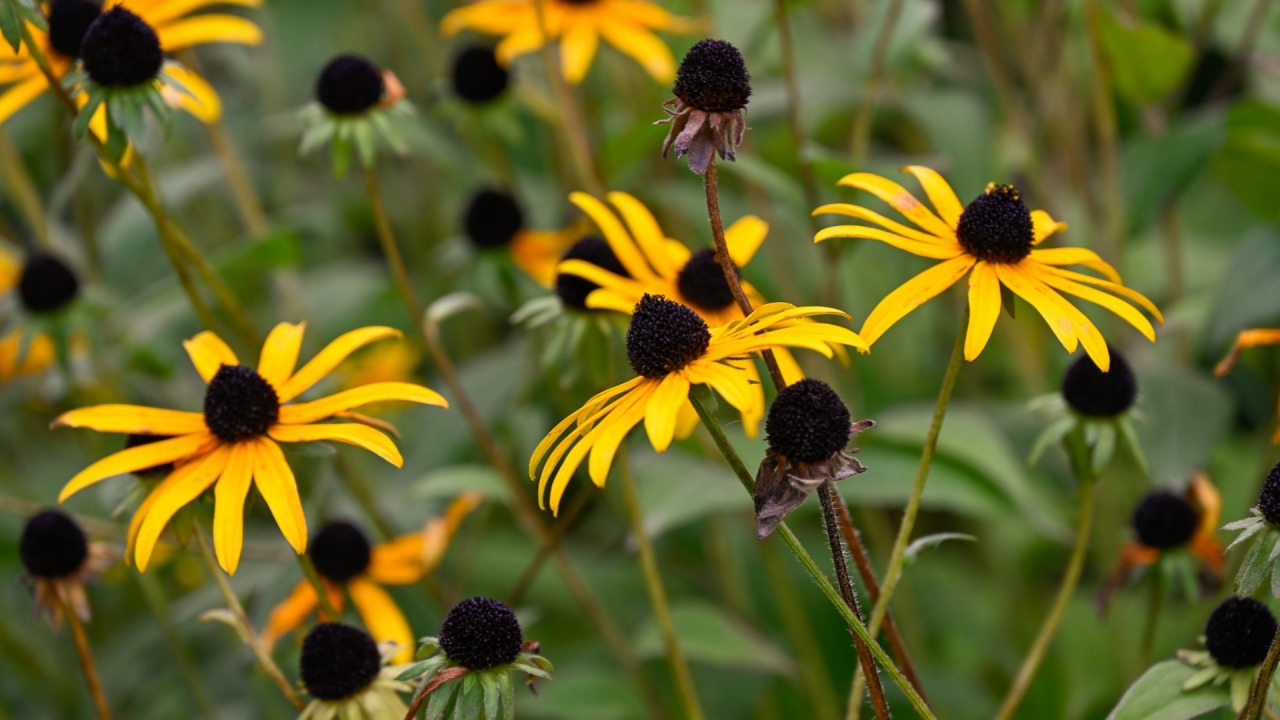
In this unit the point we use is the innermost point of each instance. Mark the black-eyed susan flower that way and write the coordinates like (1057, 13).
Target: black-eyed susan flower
(494, 221)
(348, 676)
(708, 114)
(994, 241)
(1167, 528)
(234, 442)
(1236, 640)
(355, 105)
(58, 560)
(1256, 337)
(346, 561)
(671, 348)
(476, 76)
(1262, 529)
(579, 25)
(469, 664)
(808, 430)
(176, 24)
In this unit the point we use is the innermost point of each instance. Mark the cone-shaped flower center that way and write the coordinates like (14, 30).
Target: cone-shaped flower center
(713, 77)
(1239, 632)
(808, 422)
(480, 633)
(349, 85)
(69, 20)
(701, 281)
(239, 404)
(121, 50)
(52, 545)
(1089, 391)
(1165, 520)
(340, 551)
(338, 661)
(1269, 498)
(47, 283)
(664, 337)
(477, 76)
(493, 218)
(997, 226)
(573, 290)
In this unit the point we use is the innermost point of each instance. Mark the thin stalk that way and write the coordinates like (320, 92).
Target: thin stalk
(806, 561)
(571, 118)
(867, 102)
(808, 180)
(658, 594)
(317, 584)
(1050, 627)
(153, 593)
(265, 663)
(1154, 606)
(87, 666)
(23, 189)
(816, 679)
(1261, 687)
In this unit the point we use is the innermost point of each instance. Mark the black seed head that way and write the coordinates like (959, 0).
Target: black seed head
(1165, 520)
(997, 226)
(340, 551)
(52, 545)
(69, 20)
(493, 218)
(136, 440)
(1089, 391)
(808, 422)
(477, 76)
(573, 290)
(480, 633)
(47, 283)
(338, 661)
(664, 336)
(349, 85)
(1239, 633)
(701, 281)
(1269, 498)
(239, 404)
(121, 50)
(713, 77)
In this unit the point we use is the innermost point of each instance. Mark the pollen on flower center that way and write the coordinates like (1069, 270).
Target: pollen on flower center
(52, 545)
(338, 661)
(349, 85)
(713, 77)
(808, 422)
(480, 633)
(493, 218)
(664, 337)
(701, 281)
(340, 551)
(121, 50)
(240, 404)
(69, 20)
(1239, 632)
(997, 226)
(1165, 520)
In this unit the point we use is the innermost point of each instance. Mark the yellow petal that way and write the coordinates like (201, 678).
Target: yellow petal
(578, 47)
(382, 617)
(912, 294)
(195, 95)
(1044, 225)
(136, 419)
(171, 495)
(203, 29)
(901, 200)
(327, 407)
(1048, 276)
(940, 194)
(350, 433)
(984, 308)
(290, 613)
(18, 96)
(137, 458)
(280, 353)
(208, 353)
(1076, 256)
(643, 46)
(330, 357)
(228, 505)
(935, 250)
(617, 237)
(743, 238)
(275, 481)
(648, 235)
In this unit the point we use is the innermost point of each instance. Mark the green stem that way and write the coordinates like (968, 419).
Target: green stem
(658, 594)
(807, 562)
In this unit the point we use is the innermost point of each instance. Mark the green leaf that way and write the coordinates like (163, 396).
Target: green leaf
(1158, 695)
(708, 634)
(9, 26)
(1147, 62)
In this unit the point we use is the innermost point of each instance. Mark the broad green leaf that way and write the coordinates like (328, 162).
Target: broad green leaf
(1146, 61)
(708, 634)
(1158, 695)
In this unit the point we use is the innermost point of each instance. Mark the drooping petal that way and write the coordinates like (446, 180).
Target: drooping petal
(280, 353)
(179, 489)
(1076, 256)
(137, 419)
(350, 433)
(984, 308)
(208, 353)
(228, 505)
(940, 194)
(663, 408)
(1044, 225)
(137, 458)
(578, 47)
(330, 357)
(643, 46)
(309, 412)
(912, 294)
(275, 481)
(382, 617)
(744, 237)
(203, 29)
(901, 200)
(936, 250)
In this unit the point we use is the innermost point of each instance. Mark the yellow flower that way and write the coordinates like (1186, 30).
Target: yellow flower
(344, 560)
(628, 25)
(995, 237)
(173, 22)
(672, 349)
(234, 440)
(1256, 337)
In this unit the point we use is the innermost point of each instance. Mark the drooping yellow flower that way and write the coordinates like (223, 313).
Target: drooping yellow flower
(1257, 337)
(234, 441)
(178, 24)
(995, 237)
(628, 25)
(345, 561)
(671, 349)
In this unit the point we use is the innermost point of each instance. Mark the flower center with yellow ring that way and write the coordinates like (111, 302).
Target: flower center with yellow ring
(996, 226)
(240, 404)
